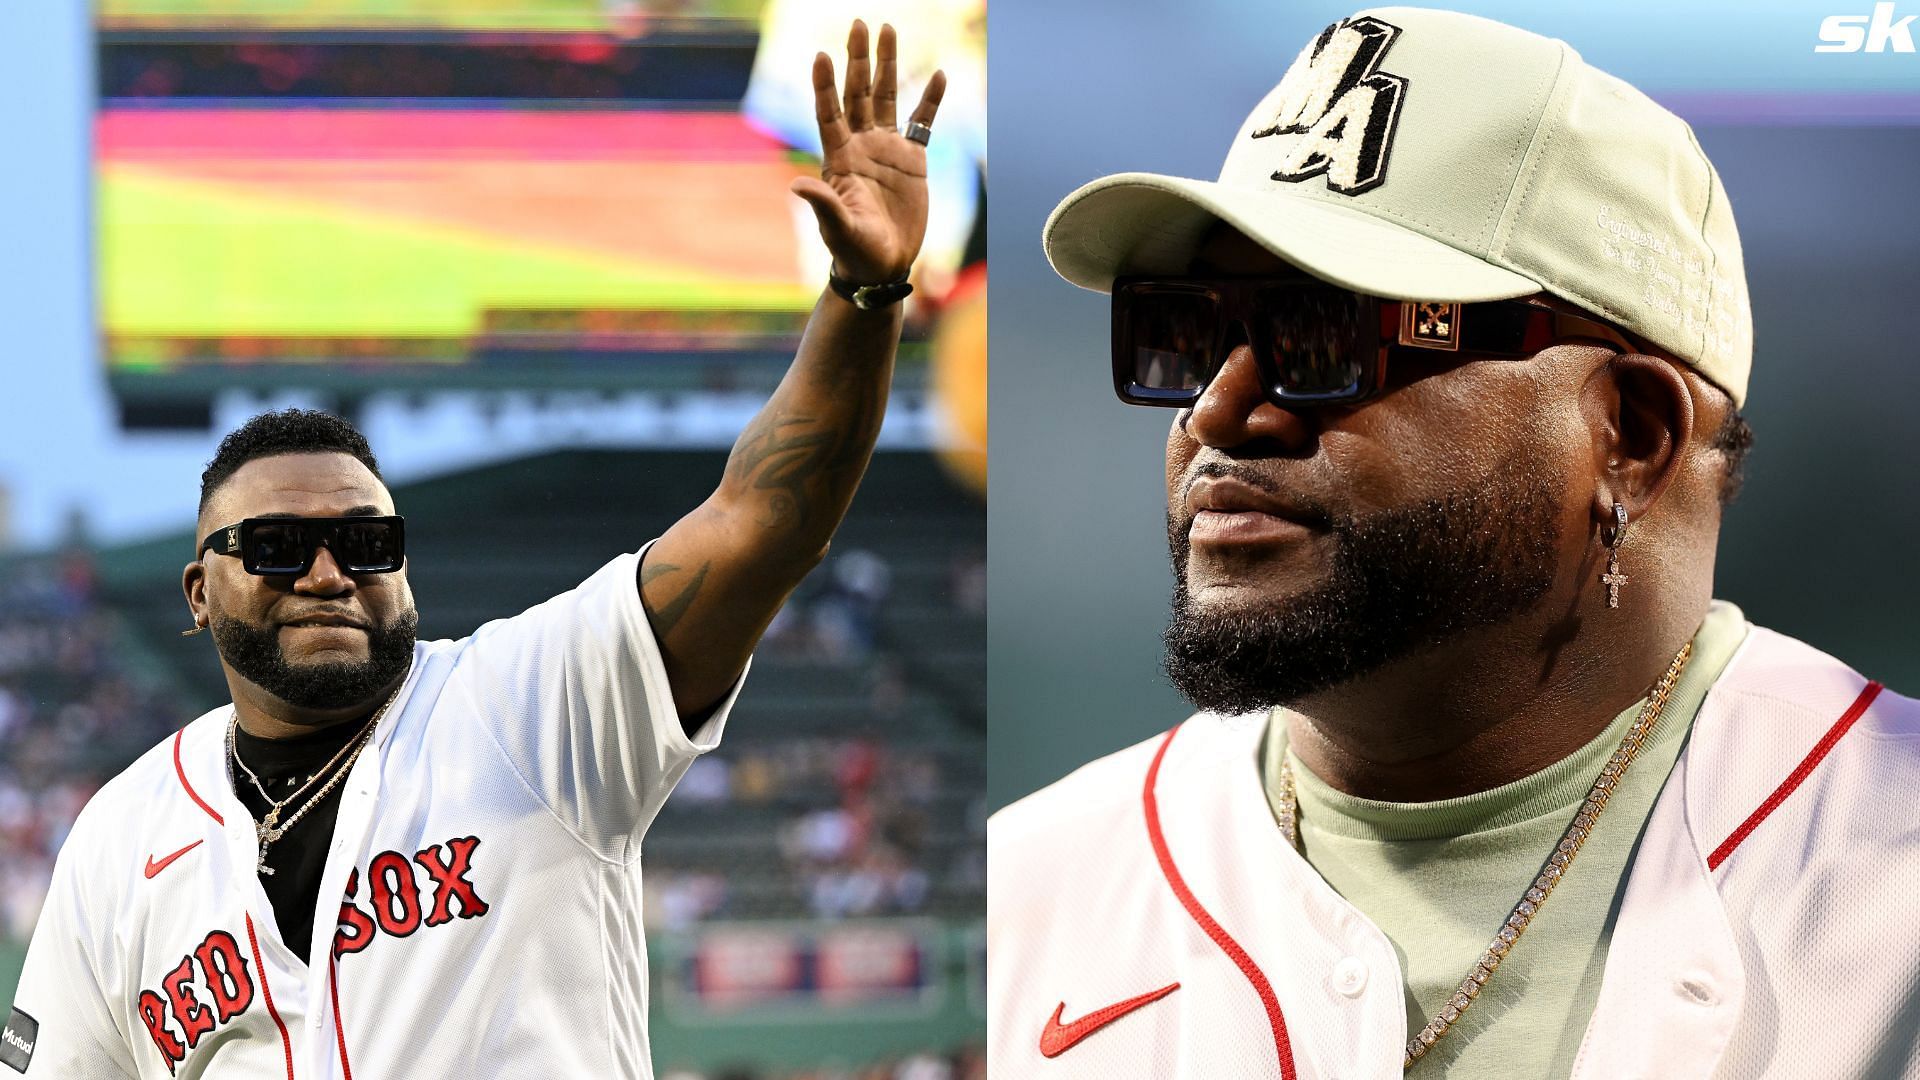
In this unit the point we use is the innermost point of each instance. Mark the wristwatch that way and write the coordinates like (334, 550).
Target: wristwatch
(868, 297)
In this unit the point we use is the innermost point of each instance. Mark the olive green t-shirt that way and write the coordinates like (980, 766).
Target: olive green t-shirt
(1439, 878)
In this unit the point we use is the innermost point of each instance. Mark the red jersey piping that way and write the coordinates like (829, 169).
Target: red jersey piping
(1282, 1046)
(1799, 774)
(285, 1039)
(339, 1034)
(181, 772)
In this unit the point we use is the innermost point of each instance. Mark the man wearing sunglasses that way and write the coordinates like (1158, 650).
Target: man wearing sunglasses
(1485, 783)
(401, 859)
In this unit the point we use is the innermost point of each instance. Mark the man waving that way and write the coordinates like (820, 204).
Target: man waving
(421, 859)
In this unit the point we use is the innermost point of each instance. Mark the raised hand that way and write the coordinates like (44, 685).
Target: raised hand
(871, 197)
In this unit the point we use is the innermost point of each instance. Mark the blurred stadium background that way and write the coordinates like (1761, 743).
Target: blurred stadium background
(1819, 153)
(542, 251)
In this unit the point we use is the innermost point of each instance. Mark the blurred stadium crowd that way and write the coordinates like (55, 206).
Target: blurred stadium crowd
(874, 815)
(73, 711)
(969, 1063)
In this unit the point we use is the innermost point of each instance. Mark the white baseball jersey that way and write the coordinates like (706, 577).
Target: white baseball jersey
(1148, 920)
(485, 868)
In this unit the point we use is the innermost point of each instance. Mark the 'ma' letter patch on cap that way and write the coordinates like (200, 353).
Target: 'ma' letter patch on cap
(16, 1041)
(1336, 113)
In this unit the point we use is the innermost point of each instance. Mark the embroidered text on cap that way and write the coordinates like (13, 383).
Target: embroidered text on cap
(1336, 112)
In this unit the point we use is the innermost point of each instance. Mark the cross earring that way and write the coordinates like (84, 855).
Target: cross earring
(1613, 578)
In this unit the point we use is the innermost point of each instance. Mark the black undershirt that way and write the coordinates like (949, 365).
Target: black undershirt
(300, 855)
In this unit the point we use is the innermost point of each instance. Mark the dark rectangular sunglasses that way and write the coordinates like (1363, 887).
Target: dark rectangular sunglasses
(1315, 343)
(288, 545)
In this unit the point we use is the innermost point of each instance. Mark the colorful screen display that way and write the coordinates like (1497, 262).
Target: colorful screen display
(357, 195)
(439, 235)
(536, 15)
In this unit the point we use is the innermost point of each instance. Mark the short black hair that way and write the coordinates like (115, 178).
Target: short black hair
(1733, 440)
(289, 431)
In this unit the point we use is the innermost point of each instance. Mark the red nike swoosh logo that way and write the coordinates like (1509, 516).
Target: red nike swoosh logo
(155, 867)
(1057, 1038)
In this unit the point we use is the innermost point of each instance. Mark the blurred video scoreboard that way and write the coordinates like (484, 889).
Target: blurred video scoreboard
(363, 195)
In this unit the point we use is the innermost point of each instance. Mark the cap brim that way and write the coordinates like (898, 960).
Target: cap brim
(1146, 223)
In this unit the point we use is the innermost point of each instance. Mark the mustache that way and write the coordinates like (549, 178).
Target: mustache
(341, 615)
(1217, 469)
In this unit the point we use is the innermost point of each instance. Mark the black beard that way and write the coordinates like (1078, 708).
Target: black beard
(254, 652)
(1403, 580)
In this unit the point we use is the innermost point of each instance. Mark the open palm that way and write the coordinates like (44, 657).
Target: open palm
(871, 197)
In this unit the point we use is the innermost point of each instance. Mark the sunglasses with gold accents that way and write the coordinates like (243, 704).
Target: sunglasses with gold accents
(1315, 343)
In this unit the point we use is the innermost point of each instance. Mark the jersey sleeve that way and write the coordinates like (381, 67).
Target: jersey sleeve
(575, 692)
(62, 1024)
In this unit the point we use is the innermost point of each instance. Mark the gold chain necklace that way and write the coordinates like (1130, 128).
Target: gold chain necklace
(1288, 812)
(271, 829)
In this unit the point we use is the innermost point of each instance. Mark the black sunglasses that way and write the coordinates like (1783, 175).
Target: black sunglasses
(288, 545)
(1315, 343)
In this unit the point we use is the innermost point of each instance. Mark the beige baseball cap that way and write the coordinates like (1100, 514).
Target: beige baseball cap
(1428, 155)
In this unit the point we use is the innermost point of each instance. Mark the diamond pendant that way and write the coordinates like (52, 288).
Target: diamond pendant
(1613, 578)
(267, 835)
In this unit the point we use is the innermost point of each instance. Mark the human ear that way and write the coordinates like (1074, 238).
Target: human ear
(1643, 421)
(193, 582)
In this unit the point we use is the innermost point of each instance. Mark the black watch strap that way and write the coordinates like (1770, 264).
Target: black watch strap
(868, 297)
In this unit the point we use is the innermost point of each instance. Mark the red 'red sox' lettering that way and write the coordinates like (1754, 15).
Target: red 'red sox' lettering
(356, 929)
(450, 881)
(195, 1019)
(394, 894)
(396, 899)
(228, 983)
(213, 984)
(226, 974)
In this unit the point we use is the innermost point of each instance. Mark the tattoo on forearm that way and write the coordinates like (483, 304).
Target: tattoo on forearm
(779, 455)
(668, 614)
(802, 461)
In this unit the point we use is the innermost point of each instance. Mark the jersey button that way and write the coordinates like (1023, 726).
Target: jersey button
(1698, 990)
(1350, 976)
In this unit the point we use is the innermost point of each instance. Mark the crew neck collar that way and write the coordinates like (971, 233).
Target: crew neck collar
(1554, 790)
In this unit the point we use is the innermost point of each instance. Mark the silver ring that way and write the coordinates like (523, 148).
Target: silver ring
(918, 132)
